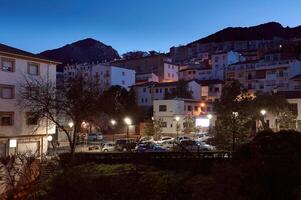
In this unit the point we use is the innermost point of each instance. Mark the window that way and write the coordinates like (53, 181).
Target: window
(123, 82)
(160, 90)
(166, 90)
(7, 65)
(7, 91)
(33, 69)
(157, 90)
(162, 108)
(123, 73)
(164, 124)
(189, 108)
(216, 89)
(32, 118)
(196, 108)
(6, 118)
(293, 107)
(144, 90)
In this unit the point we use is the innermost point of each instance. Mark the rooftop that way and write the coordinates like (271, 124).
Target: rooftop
(11, 51)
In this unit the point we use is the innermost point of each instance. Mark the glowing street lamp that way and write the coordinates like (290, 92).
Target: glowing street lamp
(70, 124)
(49, 138)
(209, 116)
(113, 122)
(128, 122)
(263, 112)
(177, 118)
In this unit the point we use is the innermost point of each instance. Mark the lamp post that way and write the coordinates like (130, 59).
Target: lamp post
(263, 113)
(234, 116)
(128, 122)
(113, 123)
(177, 118)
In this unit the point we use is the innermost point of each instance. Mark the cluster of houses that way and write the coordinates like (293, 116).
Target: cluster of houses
(260, 66)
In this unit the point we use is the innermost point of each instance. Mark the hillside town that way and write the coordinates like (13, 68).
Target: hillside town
(202, 69)
(206, 98)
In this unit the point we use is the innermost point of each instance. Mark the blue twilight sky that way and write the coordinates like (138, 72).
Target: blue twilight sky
(37, 25)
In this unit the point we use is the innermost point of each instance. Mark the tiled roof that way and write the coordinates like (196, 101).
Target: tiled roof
(14, 51)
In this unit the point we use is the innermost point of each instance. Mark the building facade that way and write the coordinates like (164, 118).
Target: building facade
(20, 131)
(104, 75)
(167, 110)
(148, 92)
(156, 64)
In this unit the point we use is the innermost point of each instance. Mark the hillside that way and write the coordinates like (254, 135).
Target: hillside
(87, 50)
(267, 31)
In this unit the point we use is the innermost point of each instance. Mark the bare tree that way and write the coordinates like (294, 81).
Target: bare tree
(76, 102)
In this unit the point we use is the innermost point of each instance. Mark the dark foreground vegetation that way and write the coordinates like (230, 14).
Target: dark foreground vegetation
(268, 168)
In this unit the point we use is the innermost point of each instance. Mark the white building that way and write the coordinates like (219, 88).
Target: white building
(105, 75)
(146, 77)
(20, 131)
(146, 93)
(220, 61)
(160, 65)
(167, 110)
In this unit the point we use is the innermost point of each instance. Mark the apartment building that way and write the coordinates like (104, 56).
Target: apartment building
(156, 64)
(146, 77)
(167, 110)
(105, 75)
(20, 131)
(146, 93)
(220, 61)
(273, 72)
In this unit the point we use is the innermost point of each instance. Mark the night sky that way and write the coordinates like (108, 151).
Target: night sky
(38, 25)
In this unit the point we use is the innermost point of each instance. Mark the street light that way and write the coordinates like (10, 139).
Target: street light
(263, 112)
(209, 116)
(235, 115)
(49, 138)
(177, 118)
(71, 124)
(113, 122)
(128, 122)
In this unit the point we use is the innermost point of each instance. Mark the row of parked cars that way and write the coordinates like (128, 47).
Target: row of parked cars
(148, 144)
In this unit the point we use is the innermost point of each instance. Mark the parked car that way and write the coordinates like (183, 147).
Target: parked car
(168, 144)
(201, 137)
(95, 136)
(180, 138)
(149, 147)
(205, 147)
(164, 138)
(186, 145)
(146, 139)
(125, 144)
(109, 146)
(93, 147)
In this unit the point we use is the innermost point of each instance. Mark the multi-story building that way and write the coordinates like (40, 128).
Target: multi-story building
(20, 130)
(220, 61)
(167, 110)
(146, 93)
(105, 75)
(273, 72)
(146, 77)
(157, 64)
(211, 90)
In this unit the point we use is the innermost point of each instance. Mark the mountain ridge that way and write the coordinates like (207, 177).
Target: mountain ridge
(86, 50)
